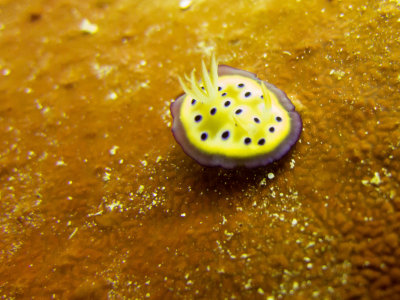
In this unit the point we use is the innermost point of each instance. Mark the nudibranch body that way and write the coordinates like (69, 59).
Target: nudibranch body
(231, 118)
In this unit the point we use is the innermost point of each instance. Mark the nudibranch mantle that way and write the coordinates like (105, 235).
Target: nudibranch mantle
(231, 118)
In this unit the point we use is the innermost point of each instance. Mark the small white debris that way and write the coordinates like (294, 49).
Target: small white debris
(95, 214)
(102, 71)
(114, 205)
(271, 175)
(223, 220)
(112, 96)
(228, 234)
(260, 291)
(294, 222)
(310, 244)
(292, 163)
(158, 159)
(247, 286)
(60, 163)
(339, 74)
(6, 72)
(140, 189)
(113, 150)
(315, 294)
(106, 176)
(185, 4)
(376, 180)
(87, 27)
(73, 233)
(183, 215)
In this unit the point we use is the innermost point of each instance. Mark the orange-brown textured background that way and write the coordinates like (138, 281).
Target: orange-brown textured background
(98, 201)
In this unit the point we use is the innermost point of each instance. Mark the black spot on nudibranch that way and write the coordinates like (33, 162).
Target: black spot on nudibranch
(247, 141)
(204, 136)
(261, 142)
(247, 94)
(223, 94)
(225, 134)
(213, 111)
(227, 103)
(279, 119)
(241, 85)
(271, 129)
(238, 111)
(257, 120)
(219, 88)
(198, 118)
(193, 101)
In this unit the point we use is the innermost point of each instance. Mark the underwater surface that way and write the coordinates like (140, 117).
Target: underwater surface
(98, 201)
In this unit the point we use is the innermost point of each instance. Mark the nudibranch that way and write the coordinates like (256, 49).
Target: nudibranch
(231, 118)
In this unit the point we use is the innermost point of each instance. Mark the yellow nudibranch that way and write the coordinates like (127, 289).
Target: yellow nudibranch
(231, 118)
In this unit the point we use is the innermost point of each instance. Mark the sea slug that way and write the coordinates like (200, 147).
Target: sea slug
(231, 118)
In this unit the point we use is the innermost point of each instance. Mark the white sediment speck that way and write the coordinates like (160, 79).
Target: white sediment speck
(140, 189)
(6, 72)
(339, 74)
(271, 175)
(114, 205)
(106, 176)
(112, 96)
(60, 163)
(223, 220)
(73, 233)
(87, 27)
(102, 71)
(292, 163)
(247, 286)
(376, 179)
(185, 4)
(113, 150)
